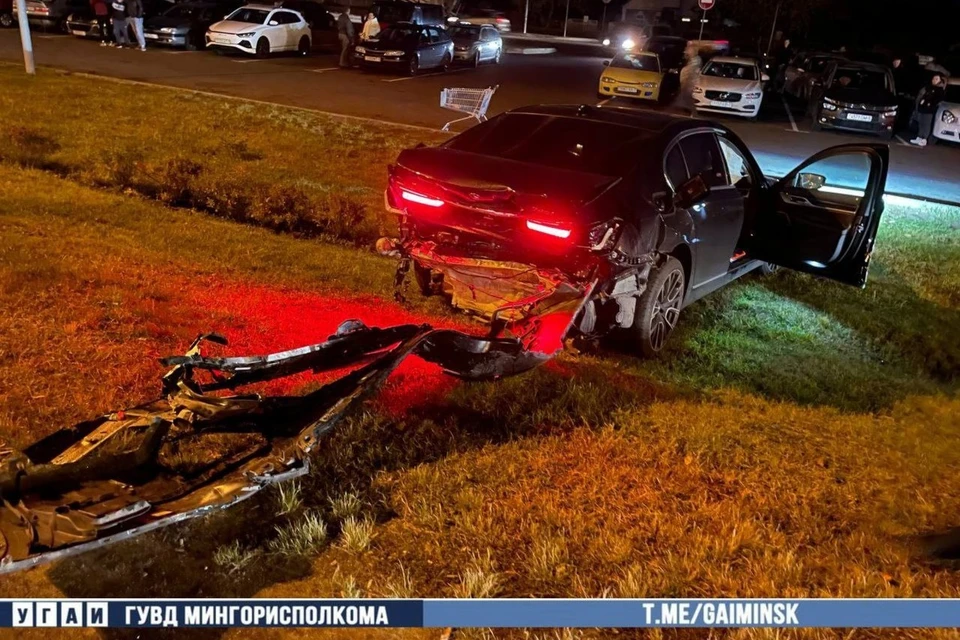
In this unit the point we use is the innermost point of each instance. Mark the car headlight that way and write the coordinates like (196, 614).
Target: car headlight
(606, 42)
(829, 105)
(393, 53)
(649, 85)
(752, 96)
(360, 49)
(628, 44)
(248, 34)
(948, 117)
(607, 80)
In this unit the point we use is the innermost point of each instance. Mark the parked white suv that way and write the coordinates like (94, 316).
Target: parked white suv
(730, 85)
(261, 30)
(946, 123)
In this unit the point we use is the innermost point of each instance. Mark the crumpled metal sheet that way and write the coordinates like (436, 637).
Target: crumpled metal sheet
(194, 450)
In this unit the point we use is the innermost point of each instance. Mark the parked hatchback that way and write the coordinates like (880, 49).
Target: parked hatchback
(261, 30)
(406, 47)
(474, 44)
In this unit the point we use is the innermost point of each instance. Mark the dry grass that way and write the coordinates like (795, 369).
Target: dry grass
(797, 442)
(288, 497)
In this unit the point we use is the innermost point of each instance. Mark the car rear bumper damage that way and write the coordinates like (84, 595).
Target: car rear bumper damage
(195, 450)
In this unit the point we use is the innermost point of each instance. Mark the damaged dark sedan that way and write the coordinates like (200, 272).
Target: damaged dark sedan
(634, 215)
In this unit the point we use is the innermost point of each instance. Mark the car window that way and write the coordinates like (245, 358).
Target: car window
(435, 35)
(487, 34)
(286, 17)
(738, 169)
(463, 32)
(675, 169)
(838, 180)
(704, 159)
(867, 79)
(637, 61)
(731, 70)
(559, 142)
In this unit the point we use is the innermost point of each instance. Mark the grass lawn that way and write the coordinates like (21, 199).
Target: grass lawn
(799, 439)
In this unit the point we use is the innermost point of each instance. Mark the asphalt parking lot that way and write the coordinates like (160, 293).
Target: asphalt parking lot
(780, 138)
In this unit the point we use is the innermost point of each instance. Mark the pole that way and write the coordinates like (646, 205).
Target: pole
(566, 18)
(703, 19)
(773, 29)
(526, 13)
(25, 40)
(603, 20)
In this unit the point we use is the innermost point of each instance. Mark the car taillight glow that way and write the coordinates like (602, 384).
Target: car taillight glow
(556, 232)
(419, 199)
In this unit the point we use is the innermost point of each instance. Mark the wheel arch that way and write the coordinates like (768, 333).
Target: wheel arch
(683, 254)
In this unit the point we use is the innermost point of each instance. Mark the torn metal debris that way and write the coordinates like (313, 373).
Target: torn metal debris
(194, 450)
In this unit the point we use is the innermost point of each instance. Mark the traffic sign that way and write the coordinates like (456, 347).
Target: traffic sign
(707, 4)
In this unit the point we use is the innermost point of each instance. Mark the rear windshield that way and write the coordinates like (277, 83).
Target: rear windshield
(860, 79)
(638, 62)
(393, 12)
(559, 142)
(253, 16)
(731, 70)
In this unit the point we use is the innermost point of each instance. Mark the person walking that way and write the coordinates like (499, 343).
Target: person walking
(101, 12)
(928, 100)
(135, 16)
(346, 33)
(120, 35)
(371, 28)
(689, 75)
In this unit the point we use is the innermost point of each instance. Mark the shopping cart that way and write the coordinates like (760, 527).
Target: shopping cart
(473, 102)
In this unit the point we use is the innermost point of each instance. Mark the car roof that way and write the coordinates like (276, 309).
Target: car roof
(264, 7)
(734, 59)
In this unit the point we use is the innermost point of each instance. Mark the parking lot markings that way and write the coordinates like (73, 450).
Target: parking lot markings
(793, 123)
(324, 69)
(901, 140)
(426, 75)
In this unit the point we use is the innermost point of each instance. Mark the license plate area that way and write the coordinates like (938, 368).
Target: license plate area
(859, 117)
(630, 90)
(371, 58)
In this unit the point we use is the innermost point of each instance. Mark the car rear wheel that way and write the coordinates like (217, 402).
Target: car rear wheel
(303, 47)
(414, 64)
(658, 309)
(263, 48)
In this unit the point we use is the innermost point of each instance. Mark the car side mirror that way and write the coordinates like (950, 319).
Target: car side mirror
(692, 192)
(810, 181)
(764, 77)
(272, 23)
(606, 63)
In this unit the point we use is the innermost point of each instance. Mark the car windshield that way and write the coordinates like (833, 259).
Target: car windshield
(952, 93)
(464, 33)
(636, 61)
(398, 37)
(253, 16)
(866, 79)
(183, 11)
(731, 70)
(559, 142)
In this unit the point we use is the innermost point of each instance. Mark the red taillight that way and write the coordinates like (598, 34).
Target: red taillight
(556, 232)
(419, 199)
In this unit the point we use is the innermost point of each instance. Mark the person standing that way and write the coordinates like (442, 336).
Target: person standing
(928, 100)
(371, 28)
(120, 35)
(689, 76)
(101, 12)
(346, 33)
(135, 16)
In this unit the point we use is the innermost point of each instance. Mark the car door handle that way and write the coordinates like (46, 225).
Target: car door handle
(798, 200)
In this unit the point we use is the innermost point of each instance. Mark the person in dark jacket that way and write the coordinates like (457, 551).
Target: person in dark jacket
(120, 35)
(135, 17)
(346, 33)
(928, 100)
(101, 12)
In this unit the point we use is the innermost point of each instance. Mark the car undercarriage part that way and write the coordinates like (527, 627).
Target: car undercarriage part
(194, 450)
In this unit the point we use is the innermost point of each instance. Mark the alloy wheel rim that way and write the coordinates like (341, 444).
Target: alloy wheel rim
(666, 309)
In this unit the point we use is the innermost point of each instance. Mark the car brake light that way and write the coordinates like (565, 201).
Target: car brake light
(556, 232)
(419, 199)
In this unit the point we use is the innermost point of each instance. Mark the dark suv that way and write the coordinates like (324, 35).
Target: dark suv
(856, 96)
(390, 12)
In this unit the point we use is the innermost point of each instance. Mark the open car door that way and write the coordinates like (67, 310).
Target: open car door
(823, 216)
